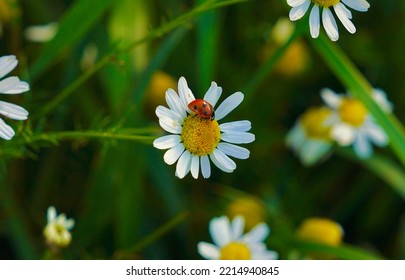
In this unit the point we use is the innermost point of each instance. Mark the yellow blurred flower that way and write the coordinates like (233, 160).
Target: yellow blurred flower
(295, 59)
(250, 208)
(57, 230)
(321, 230)
(155, 94)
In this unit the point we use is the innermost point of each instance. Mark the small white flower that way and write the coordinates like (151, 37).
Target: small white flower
(231, 244)
(41, 33)
(300, 7)
(57, 230)
(10, 85)
(310, 137)
(352, 124)
(194, 139)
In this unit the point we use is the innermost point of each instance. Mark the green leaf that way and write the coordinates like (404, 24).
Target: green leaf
(74, 25)
(359, 87)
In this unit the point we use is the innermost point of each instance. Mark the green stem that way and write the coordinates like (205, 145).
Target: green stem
(156, 33)
(359, 87)
(67, 135)
(155, 235)
(387, 170)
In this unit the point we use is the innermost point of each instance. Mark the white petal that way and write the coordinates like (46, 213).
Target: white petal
(314, 22)
(220, 231)
(265, 255)
(51, 214)
(222, 161)
(257, 234)
(213, 94)
(380, 97)
(195, 166)
(362, 146)
(205, 167)
(173, 154)
(294, 3)
(166, 142)
(329, 24)
(170, 125)
(295, 137)
(7, 64)
(345, 10)
(185, 93)
(228, 105)
(358, 5)
(6, 132)
(163, 112)
(13, 111)
(238, 137)
(174, 102)
(298, 12)
(343, 134)
(208, 251)
(331, 99)
(234, 151)
(241, 126)
(238, 224)
(341, 12)
(183, 165)
(19, 88)
(376, 134)
(313, 150)
(8, 84)
(69, 224)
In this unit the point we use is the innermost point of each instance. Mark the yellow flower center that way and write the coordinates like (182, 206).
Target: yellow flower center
(251, 208)
(352, 111)
(235, 251)
(325, 3)
(313, 122)
(200, 136)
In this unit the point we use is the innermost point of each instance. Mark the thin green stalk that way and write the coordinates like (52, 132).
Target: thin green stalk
(263, 72)
(153, 34)
(359, 87)
(68, 135)
(155, 235)
(383, 167)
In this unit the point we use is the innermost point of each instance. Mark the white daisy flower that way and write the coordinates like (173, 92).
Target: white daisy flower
(231, 244)
(310, 137)
(57, 230)
(10, 85)
(196, 139)
(352, 124)
(300, 7)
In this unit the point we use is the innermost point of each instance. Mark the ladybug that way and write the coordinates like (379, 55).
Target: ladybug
(202, 109)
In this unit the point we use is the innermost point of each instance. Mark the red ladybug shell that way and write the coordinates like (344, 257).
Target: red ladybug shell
(202, 109)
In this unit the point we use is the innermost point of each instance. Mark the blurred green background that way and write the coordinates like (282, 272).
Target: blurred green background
(99, 74)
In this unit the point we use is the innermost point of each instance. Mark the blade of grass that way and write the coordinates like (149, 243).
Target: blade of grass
(74, 25)
(359, 87)
(382, 167)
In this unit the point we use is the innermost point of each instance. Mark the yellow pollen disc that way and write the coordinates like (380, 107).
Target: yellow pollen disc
(235, 251)
(313, 122)
(325, 3)
(352, 111)
(200, 136)
(321, 230)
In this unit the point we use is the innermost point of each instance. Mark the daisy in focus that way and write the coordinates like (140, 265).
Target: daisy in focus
(231, 244)
(197, 139)
(310, 137)
(57, 230)
(10, 85)
(352, 124)
(300, 7)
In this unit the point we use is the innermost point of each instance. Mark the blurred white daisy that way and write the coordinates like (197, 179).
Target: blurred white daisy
(195, 140)
(41, 33)
(10, 85)
(310, 138)
(300, 7)
(57, 230)
(231, 244)
(352, 124)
